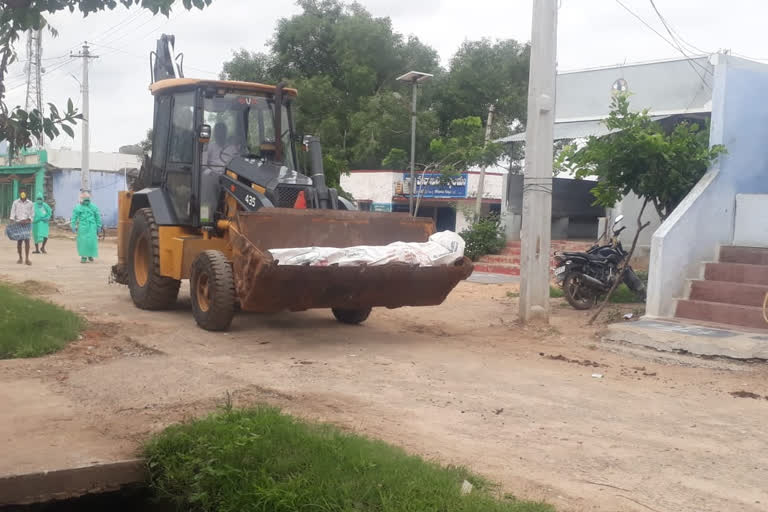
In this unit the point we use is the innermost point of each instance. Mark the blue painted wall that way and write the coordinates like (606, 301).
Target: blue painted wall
(104, 189)
(705, 218)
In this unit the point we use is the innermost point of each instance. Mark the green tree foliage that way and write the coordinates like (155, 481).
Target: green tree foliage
(18, 126)
(345, 63)
(146, 144)
(396, 159)
(484, 73)
(641, 157)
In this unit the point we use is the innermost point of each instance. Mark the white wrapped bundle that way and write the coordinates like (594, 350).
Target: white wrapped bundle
(442, 249)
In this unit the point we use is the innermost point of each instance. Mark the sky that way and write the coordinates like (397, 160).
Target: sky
(591, 33)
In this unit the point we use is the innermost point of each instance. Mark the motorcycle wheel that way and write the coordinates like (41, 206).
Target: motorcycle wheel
(578, 295)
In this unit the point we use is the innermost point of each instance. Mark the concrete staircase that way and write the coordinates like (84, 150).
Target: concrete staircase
(732, 290)
(508, 262)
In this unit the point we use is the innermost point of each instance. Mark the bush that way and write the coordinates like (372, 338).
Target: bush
(262, 460)
(484, 236)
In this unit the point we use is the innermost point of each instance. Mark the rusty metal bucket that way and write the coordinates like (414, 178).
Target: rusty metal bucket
(264, 286)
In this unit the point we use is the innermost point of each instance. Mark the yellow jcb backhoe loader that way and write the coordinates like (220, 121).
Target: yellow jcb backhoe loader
(221, 189)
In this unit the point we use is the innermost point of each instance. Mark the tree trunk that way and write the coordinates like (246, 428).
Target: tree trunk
(619, 278)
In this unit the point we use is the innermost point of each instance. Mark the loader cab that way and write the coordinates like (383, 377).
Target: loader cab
(200, 126)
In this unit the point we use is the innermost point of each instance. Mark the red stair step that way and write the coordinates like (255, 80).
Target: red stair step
(736, 272)
(746, 255)
(499, 258)
(729, 292)
(498, 268)
(718, 312)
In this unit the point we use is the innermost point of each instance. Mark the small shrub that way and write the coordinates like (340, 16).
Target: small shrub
(555, 292)
(484, 236)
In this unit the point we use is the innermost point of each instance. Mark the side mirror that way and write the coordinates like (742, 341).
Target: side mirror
(205, 133)
(618, 219)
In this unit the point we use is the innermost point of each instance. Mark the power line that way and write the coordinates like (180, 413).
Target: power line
(135, 56)
(670, 31)
(691, 62)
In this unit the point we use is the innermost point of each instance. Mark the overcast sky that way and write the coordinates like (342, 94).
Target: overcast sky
(591, 33)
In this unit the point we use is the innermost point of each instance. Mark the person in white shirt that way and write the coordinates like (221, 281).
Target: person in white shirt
(22, 213)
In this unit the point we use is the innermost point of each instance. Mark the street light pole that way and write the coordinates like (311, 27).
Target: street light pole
(537, 181)
(414, 78)
(412, 187)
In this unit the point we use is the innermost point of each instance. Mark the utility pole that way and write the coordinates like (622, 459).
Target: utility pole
(85, 176)
(481, 183)
(537, 182)
(33, 69)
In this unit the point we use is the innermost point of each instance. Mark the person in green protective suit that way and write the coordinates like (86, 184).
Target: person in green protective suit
(86, 222)
(40, 224)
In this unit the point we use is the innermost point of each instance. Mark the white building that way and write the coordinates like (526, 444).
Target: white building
(449, 204)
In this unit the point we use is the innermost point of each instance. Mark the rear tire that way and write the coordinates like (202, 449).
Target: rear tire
(351, 316)
(578, 295)
(149, 289)
(212, 288)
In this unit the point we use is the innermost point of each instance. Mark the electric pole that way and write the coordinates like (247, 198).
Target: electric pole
(85, 177)
(33, 69)
(481, 183)
(537, 181)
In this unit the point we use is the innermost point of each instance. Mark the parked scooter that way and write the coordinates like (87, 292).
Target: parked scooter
(586, 276)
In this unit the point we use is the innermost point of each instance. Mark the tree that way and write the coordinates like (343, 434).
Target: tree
(249, 67)
(345, 63)
(640, 157)
(18, 126)
(483, 73)
(146, 144)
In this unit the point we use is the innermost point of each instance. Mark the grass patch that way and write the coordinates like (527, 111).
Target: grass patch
(555, 292)
(513, 295)
(623, 295)
(262, 460)
(32, 327)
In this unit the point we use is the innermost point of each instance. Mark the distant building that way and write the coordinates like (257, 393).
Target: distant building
(448, 203)
(56, 174)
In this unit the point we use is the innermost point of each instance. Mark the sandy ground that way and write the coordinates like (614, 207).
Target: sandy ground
(461, 383)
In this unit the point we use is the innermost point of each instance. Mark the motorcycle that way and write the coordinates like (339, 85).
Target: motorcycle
(586, 276)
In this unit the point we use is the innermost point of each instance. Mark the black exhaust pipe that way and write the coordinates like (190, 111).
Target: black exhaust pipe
(279, 122)
(593, 283)
(318, 173)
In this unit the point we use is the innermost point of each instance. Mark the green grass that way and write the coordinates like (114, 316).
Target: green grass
(262, 460)
(623, 295)
(555, 292)
(31, 327)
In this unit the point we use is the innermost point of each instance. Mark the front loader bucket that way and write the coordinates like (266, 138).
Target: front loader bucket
(264, 286)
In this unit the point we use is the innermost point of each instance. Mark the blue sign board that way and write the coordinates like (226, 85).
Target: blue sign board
(436, 185)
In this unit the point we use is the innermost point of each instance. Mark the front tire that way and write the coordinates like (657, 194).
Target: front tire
(578, 295)
(351, 316)
(149, 289)
(212, 288)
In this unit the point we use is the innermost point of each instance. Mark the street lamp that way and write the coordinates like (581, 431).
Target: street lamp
(415, 78)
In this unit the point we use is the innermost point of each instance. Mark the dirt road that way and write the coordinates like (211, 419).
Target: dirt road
(461, 383)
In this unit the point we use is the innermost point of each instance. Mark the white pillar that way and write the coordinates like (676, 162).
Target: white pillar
(537, 184)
